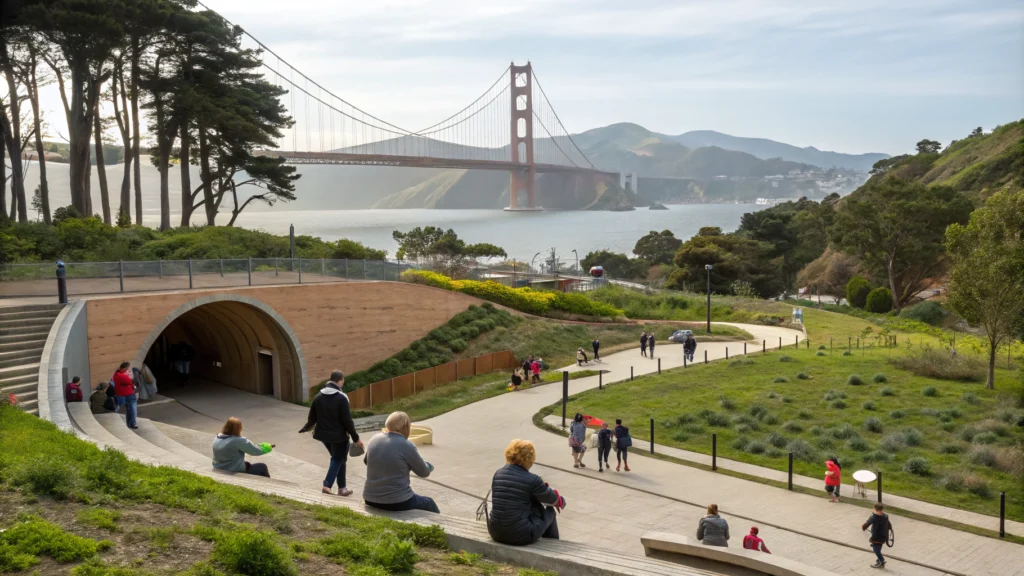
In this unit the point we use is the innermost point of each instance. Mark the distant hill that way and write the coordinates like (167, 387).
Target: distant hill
(977, 165)
(764, 148)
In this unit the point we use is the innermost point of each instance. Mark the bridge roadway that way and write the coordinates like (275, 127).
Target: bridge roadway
(354, 159)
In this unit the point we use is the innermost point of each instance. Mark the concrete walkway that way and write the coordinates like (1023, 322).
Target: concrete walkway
(612, 510)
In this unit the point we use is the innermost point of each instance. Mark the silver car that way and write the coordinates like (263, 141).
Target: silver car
(680, 335)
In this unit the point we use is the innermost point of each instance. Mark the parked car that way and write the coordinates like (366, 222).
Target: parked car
(680, 335)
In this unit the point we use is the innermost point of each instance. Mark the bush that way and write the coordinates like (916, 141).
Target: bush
(741, 443)
(985, 438)
(787, 400)
(878, 456)
(837, 404)
(869, 405)
(804, 415)
(917, 466)
(726, 403)
(47, 476)
(959, 481)
(780, 380)
(968, 433)
(857, 290)
(756, 447)
(252, 553)
(793, 427)
(858, 444)
(887, 391)
(893, 443)
(879, 301)
(802, 450)
(854, 380)
(970, 398)
(716, 419)
(803, 376)
(33, 536)
(879, 378)
(930, 391)
(897, 414)
(758, 411)
(847, 353)
(843, 432)
(928, 312)
(772, 394)
(820, 353)
(822, 347)
(873, 425)
(777, 440)
(771, 419)
(951, 449)
(785, 359)
(940, 364)
(834, 394)
(911, 436)
(947, 426)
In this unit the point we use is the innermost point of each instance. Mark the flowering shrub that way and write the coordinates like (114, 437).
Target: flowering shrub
(523, 299)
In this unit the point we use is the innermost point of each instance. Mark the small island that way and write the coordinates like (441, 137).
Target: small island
(658, 206)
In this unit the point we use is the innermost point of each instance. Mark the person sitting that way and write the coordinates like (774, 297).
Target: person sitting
(73, 390)
(754, 542)
(581, 357)
(230, 448)
(713, 530)
(516, 380)
(389, 459)
(524, 506)
(101, 400)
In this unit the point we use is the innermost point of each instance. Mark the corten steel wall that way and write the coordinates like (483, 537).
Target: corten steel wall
(415, 382)
(347, 326)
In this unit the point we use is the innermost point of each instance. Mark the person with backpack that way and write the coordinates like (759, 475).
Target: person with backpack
(124, 392)
(643, 343)
(622, 443)
(604, 447)
(73, 390)
(330, 418)
(753, 542)
(689, 347)
(880, 529)
(833, 478)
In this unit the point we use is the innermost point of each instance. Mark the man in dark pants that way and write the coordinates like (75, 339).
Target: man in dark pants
(331, 417)
(650, 344)
(596, 346)
(879, 524)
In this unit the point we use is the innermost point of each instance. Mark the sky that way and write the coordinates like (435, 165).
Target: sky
(845, 75)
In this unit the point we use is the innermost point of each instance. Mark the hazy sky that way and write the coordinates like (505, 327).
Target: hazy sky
(844, 75)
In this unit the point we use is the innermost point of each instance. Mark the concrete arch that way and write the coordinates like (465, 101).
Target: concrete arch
(240, 327)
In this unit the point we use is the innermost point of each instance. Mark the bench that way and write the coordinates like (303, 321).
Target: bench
(732, 561)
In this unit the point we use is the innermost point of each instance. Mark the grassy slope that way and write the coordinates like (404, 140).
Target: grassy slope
(688, 307)
(681, 392)
(168, 521)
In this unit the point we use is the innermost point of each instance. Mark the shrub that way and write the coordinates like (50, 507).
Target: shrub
(394, 555)
(743, 429)
(930, 391)
(897, 414)
(1007, 415)
(773, 453)
(685, 419)
(873, 425)
(741, 443)
(825, 443)
(911, 436)
(801, 450)
(99, 518)
(726, 403)
(34, 536)
(968, 433)
(857, 290)
(780, 380)
(803, 376)
(985, 438)
(717, 420)
(680, 436)
(854, 380)
(947, 426)
(820, 353)
(982, 456)
(962, 480)
(970, 398)
(793, 427)
(787, 400)
(253, 553)
(893, 443)
(869, 405)
(929, 312)
(47, 476)
(887, 391)
(772, 394)
(995, 426)
(837, 404)
(756, 447)
(771, 419)
(843, 432)
(951, 449)
(785, 359)
(758, 411)
(777, 440)
(879, 301)
(822, 347)
(858, 444)
(879, 378)
(804, 415)
(940, 364)
(878, 456)
(847, 353)
(833, 395)
(917, 466)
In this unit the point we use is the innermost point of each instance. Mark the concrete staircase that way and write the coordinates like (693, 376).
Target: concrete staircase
(23, 332)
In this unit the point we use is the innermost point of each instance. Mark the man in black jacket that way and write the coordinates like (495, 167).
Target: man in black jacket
(331, 417)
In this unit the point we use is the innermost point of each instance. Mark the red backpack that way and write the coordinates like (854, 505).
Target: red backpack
(74, 393)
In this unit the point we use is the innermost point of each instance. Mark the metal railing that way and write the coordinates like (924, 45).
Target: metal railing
(87, 278)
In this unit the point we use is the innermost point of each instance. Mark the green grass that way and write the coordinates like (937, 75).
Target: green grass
(671, 305)
(927, 426)
(149, 515)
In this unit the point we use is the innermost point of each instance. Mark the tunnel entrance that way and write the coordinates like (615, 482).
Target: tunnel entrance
(233, 343)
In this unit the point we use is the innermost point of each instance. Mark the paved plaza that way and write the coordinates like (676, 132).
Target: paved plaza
(612, 510)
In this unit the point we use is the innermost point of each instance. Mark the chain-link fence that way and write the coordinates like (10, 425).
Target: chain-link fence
(84, 278)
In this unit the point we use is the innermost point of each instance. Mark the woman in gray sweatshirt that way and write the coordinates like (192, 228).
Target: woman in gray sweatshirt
(389, 459)
(230, 448)
(713, 530)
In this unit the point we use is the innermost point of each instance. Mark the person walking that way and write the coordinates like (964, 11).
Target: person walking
(527, 367)
(596, 344)
(622, 443)
(713, 530)
(535, 368)
(389, 459)
(581, 357)
(753, 542)
(524, 505)
(604, 447)
(880, 529)
(230, 448)
(689, 347)
(643, 343)
(331, 417)
(577, 437)
(124, 392)
(650, 344)
(833, 478)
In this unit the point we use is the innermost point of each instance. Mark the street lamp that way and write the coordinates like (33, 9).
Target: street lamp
(708, 268)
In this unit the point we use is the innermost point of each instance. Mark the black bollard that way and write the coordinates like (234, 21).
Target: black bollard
(790, 470)
(808, 342)
(1002, 514)
(879, 473)
(726, 352)
(714, 452)
(780, 342)
(705, 356)
(652, 435)
(659, 365)
(684, 359)
(565, 394)
(796, 341)
(764, 347)
(600, 377)
(744, 348)
(630, 373)
(62, 283)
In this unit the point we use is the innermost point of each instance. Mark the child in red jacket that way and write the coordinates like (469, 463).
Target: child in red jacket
(833, 478)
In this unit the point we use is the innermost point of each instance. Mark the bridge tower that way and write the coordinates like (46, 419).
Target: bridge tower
(523, 178)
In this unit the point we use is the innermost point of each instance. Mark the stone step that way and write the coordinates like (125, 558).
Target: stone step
(36, 345)
(30, 379)
(24, 337)
(19, 389)
(43, 323)
(33, 308)
(23, 331)
(31, 405)
(4, 315)
(18, 357)
(20, 370)
(150, 433)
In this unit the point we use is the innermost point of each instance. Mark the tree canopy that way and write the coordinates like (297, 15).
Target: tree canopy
(442, 249)
(657, 247)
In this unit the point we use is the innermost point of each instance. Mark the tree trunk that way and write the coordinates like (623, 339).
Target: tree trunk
(165, 194)
(207, 178)
(101, 169)
(896, 300)
(3, 170)
(186, 177)
(44, 189)
(79, 131)
(121, 115)
(990, 380)
(136, 73)
(13, 137)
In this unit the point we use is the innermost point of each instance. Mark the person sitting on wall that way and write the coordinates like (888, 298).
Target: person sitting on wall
(101, 400)
(73, 390)
(230, 448)
(524, 506)
(389, 459)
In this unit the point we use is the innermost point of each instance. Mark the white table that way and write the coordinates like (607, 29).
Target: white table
(862, 477)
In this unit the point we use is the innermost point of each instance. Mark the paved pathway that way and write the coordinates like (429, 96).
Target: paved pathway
(613, 509)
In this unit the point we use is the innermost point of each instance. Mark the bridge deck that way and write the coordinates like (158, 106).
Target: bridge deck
(345, 158)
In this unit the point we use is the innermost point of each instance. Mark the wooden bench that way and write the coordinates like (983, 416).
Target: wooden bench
(732, 561)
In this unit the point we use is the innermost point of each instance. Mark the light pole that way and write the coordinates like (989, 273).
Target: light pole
(708, 268)
(534, 259)
(577, 263)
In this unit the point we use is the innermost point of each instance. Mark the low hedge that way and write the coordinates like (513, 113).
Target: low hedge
(526, 300)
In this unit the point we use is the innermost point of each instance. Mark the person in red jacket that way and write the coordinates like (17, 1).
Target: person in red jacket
(124, 392)
(753, 542)
(833, 478)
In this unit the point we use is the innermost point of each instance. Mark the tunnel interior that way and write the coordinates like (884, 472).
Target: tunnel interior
(235, 344)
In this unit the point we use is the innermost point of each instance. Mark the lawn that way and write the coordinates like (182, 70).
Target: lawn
(953, 443)
(673, 305)
(68, 507)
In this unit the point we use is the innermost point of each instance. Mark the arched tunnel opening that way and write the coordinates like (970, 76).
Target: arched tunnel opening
(234, 344)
